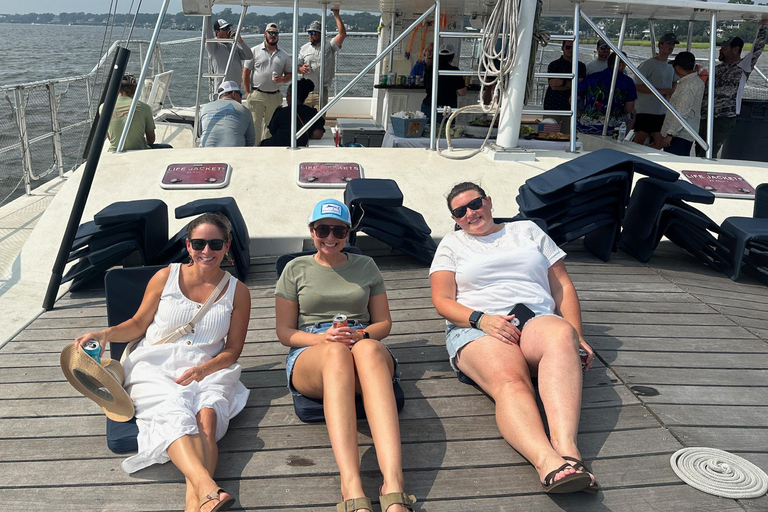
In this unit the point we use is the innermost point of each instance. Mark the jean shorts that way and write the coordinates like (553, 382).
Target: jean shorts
(318, 328)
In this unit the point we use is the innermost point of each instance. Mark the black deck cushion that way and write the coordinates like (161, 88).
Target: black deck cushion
(377, 192)
(760, 210)
(422, 251)
(744, 231)
(150, 217)
(124, 289)
(594, 163)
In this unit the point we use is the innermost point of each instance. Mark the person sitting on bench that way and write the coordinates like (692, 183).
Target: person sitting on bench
(185, 392)
(332, 362)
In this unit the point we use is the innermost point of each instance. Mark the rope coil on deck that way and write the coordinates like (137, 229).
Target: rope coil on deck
(720, 473)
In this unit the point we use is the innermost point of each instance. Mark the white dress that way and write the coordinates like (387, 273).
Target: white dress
(165, 411)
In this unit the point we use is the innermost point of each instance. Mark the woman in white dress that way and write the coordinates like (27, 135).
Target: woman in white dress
(186, 392)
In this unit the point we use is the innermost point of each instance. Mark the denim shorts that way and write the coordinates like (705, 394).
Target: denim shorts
(318, 328)
(458, 337)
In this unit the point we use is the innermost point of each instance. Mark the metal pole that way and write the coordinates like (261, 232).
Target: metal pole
(575, 71)
(196, 126)
(435, 66)
(653, 37)
(111, 91)
(140, 85)
(56, 128)
(690, 36)
(295, 76)
(511, 108)
(614, 77)
(233, 49)
(711, 85)
(321, 99)
(362, 73)
(26, 158)
(392, 38)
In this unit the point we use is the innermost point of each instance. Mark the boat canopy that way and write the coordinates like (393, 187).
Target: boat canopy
(647, 9)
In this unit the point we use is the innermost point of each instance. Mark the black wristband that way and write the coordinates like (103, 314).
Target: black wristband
(474, 319)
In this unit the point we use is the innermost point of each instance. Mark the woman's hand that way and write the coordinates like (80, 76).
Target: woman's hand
(345, 334)
(99, 336)
(196, 373)
(590, 353)
(501, 328)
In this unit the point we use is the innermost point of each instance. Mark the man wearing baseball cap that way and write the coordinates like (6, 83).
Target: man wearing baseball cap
(687, 101)
(225, 122)
(730, 76)
(262, 76)
(651, 111)
(218, 53)
(601, 61)
(449, 88)
(309, 60)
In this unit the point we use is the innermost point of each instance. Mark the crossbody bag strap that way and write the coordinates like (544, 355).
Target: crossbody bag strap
(189, 326)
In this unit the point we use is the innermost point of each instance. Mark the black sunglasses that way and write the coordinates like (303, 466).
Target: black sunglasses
(273, 33)
(568, 47)
(323, 230)
(474, 204)
(199, 244)
(312, 32)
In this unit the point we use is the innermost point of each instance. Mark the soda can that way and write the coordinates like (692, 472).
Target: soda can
(340, 321)
(383, 79)
(583, 355)
(93, 349)
(274, 75)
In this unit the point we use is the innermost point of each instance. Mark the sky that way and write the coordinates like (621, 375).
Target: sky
(102, 6)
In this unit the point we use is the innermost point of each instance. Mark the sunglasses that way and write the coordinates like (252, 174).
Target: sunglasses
(312, 32)
(323, 230)
(568, 47)
(199, 244)
(273, 33)
(474, 204)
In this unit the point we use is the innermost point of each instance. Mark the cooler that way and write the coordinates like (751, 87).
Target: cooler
(361, 131)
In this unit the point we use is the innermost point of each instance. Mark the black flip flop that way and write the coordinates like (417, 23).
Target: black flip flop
(578, 465)
(571, 483)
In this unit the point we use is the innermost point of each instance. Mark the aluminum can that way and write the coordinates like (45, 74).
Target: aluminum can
(340, 321)
(411, 80)
(383, 79)
(274, 75)
(583, 355)
(93, 349)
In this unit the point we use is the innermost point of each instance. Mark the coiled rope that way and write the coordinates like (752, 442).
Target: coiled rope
(720, 473)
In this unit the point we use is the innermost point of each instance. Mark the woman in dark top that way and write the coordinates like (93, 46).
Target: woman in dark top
(448, 87)
(280, 125)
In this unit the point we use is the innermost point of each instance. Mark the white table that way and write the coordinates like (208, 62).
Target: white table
(392, 141)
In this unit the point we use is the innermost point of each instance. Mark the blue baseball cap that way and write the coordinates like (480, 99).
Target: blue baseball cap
(330, 209)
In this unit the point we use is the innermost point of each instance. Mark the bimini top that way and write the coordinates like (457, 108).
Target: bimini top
(648, 9)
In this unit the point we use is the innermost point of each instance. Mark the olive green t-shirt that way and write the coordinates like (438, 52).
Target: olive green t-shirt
(142, 123)
(323, 292)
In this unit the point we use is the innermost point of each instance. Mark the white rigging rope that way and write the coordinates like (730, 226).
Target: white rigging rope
(498, 47)
(720, 473)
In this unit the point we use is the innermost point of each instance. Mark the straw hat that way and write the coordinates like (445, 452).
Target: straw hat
(102, 383)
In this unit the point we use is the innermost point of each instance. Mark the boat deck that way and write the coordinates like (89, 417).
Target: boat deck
(682, 359)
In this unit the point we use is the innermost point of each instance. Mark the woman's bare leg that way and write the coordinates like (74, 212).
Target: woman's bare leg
(327, 371)
(501, 371)
(375, 369)
(206, 425)
(187, 454)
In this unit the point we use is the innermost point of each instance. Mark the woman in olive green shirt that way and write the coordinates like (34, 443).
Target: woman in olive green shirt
(334, 363)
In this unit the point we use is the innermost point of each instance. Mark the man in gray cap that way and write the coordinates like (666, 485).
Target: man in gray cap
(650, 111)
(730, 76)
(218, 53)
(309, 58)
(600, 62)
(225, 122)
(262, 76)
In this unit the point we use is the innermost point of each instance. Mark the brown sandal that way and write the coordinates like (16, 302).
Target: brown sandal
(351, 505)
(396, 498)
(578, 465)
(224, 504)
(572, 483)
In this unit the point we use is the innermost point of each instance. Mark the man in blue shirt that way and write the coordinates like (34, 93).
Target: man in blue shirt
(594, 91)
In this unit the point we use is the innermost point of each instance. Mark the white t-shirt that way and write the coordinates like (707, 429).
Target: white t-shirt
(497, 271)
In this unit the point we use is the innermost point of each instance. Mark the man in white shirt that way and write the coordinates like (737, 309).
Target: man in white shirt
(651, 111)
(262, 76)
(309, 58)
(687, 101)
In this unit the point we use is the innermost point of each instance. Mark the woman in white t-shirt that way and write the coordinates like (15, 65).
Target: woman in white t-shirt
(478, 274)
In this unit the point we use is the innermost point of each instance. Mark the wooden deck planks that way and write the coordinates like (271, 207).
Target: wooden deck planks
(682, 359)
